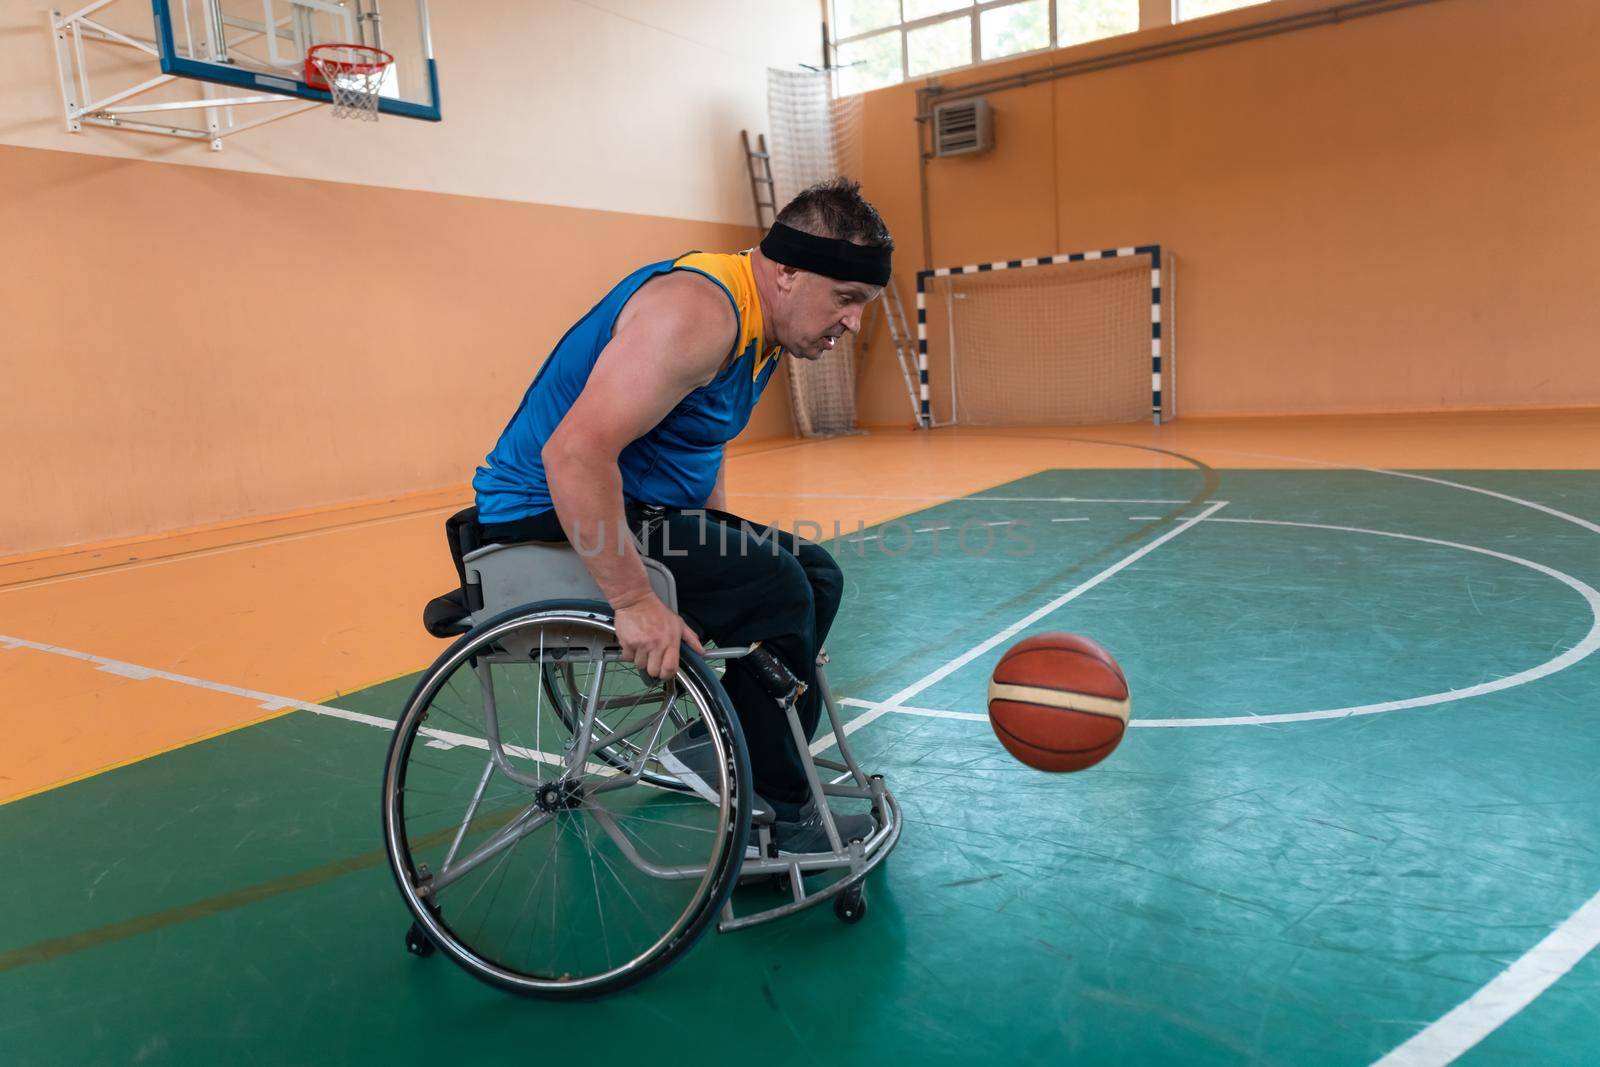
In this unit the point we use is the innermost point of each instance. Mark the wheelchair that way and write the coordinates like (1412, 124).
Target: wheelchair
(533, 829)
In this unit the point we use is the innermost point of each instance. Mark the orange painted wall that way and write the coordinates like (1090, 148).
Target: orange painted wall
(338, 343)
(1395, 213)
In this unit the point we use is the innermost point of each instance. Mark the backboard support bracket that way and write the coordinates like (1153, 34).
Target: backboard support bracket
(207, 57)
(77, 35)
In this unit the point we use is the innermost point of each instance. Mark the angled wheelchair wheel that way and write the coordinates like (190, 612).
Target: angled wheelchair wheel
(533, 843)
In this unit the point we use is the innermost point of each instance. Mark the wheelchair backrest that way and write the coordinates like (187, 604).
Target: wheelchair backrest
(464, 535)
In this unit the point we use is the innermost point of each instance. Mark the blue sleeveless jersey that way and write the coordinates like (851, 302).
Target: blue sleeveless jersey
(676, 463)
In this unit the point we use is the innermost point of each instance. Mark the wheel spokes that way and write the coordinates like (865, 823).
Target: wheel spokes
(583, 816)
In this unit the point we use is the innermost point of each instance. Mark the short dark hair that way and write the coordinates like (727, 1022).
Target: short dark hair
(836, 208)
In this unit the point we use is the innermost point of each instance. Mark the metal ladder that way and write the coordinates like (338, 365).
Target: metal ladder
(758, 161)
(895, 315)
(758, 164)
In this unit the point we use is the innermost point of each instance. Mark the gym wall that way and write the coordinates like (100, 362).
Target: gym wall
(322, 314)
(1394, 213)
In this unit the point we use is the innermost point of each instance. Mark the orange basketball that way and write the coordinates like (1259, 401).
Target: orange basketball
(1058, 702)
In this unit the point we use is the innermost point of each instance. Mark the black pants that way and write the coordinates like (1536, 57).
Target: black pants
(739, 583)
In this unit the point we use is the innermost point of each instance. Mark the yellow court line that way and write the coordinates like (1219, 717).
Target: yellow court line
(220, 532)
(461, 495)
(130, 761)
(372, 685)
(272, 539)
(222, 550)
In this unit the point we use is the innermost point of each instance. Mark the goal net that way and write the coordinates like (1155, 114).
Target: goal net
(1072, 339)
(815, 137)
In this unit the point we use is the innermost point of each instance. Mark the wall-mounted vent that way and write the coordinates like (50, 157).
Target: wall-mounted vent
(962, 127)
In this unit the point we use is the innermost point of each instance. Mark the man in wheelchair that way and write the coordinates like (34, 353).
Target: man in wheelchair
(617, 446)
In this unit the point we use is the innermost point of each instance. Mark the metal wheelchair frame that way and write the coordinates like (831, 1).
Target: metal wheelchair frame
(531, 583)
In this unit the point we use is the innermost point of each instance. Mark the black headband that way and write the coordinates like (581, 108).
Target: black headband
(845, 261)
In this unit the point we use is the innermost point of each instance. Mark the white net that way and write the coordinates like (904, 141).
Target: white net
(1047, 345)
(353, 74)
(814, 138)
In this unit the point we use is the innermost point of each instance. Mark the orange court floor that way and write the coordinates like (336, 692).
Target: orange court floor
(116, 652)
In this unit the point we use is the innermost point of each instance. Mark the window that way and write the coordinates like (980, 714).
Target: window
(869, 63)
(921, 9)
(1195, 9)
(939, 46)
(881, 42)
(1014, 29)
(853, 17)
(1090, 20)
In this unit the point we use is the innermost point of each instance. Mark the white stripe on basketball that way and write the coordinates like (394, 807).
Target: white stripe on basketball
(1056, 698)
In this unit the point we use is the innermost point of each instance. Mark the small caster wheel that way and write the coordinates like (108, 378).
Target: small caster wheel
(417, 941)
(850, 906)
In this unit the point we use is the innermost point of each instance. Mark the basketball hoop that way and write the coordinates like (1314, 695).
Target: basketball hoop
(352, 73)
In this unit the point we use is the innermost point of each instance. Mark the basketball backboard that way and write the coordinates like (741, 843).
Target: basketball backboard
(262, 44)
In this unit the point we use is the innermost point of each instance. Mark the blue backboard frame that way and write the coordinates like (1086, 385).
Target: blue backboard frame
(172, 62)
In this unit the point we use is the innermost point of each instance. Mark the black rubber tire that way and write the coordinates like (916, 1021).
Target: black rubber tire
(693, 670)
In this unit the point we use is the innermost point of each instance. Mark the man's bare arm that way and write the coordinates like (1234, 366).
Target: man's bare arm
(672, 338)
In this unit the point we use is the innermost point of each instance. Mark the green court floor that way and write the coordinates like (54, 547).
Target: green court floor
(1302, 888)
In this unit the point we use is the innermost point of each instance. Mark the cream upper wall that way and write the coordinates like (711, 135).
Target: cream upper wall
(616, 105)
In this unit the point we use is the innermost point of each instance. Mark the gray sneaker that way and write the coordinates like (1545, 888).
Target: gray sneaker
(805, 832)
(689, 757)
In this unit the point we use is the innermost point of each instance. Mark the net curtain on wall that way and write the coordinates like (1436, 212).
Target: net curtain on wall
(815, 137)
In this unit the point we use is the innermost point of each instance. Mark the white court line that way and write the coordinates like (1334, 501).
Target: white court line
(1587, 646)
(1584, 648)
(274, 702)
(268, 701)
(944, 499)
(927, 713)
(920, 530)
(827, 740)
(874, 537)
(883, 708)
(1463, 486)
(1509, 992)
(1585, 523)
(1038, 613)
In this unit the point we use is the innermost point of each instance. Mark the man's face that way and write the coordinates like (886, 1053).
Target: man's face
(820, 310)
